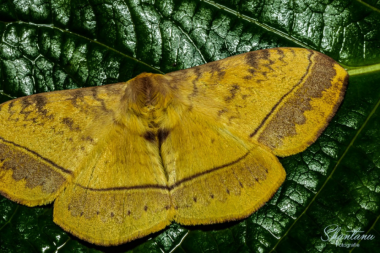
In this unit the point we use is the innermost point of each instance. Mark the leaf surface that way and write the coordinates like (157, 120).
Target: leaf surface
(61, 44)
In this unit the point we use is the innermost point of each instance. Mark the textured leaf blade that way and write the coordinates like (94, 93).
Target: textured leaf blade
(62, 44)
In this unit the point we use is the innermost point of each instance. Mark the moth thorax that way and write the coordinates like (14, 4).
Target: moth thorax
(149, 93)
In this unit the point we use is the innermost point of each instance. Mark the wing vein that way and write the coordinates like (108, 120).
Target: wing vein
(153, 186)
(39, 156)
(283, 97)
(208, 171)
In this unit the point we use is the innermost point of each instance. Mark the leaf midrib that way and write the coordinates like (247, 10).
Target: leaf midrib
(86, 38)
(255, 21)
(352, 70)
(10, 219)
(372, 227)
(368, 5)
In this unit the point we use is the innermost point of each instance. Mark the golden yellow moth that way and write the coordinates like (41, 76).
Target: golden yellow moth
(195, 146)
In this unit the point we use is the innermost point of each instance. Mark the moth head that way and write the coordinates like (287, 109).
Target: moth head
(148, 92)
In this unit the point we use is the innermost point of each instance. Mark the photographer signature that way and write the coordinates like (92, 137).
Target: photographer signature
(334, 235)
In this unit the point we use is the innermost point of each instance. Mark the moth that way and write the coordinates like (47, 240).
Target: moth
(195, 146)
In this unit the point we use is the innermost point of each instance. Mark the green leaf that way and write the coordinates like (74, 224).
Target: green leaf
(63, 44)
